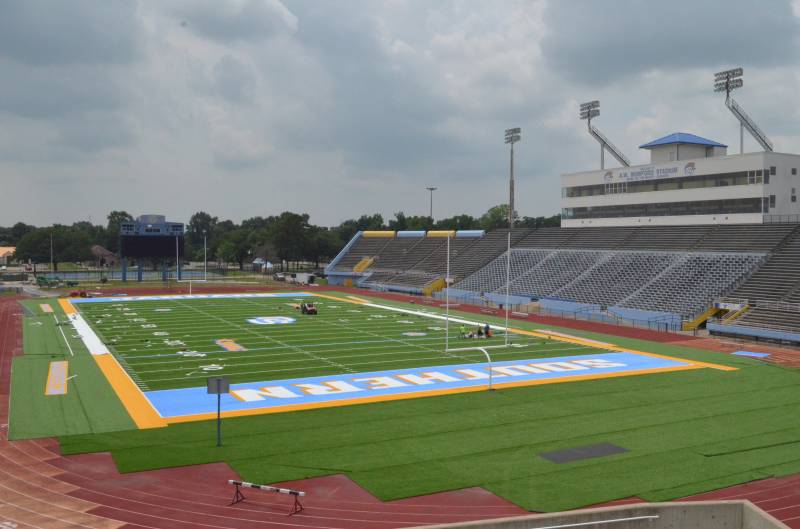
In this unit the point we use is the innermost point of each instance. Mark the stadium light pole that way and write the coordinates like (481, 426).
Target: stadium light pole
(51, 249)
(431, 189)
(727, 82)
(512, 136)
(205, 257)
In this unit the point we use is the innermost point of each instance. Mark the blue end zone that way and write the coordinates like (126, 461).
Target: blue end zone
(371, 386)
(191, 296)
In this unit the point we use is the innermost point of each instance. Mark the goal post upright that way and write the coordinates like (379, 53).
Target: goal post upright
(488, 358)
(447, 300)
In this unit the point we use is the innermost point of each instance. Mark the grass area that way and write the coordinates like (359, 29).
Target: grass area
(166, 344)
(686, 432)
(90, 405)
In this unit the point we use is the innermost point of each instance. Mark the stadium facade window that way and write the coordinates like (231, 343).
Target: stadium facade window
(702, 207)
(794, 171)
(772, 201)
(666, 184)
(772, 170)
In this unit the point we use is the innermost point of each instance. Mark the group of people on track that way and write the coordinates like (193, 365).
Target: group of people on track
(480, 332)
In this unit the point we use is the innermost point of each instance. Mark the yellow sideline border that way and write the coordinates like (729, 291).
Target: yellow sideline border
(145, 415)
(133, 399)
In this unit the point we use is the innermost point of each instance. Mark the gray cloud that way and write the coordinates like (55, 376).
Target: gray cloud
(64, 65)
(76, 32)
(236, 20)
(599, 42)
(234, 80)
(252, 107)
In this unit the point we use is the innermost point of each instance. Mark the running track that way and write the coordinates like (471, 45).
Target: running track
(40, 488)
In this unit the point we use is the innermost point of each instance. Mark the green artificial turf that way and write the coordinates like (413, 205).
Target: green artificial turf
(90, 404)
(166, 344)
(686, 432)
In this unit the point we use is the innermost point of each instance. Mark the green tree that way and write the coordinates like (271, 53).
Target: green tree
(349, 228)
(459, 222)
(322, 244)
(496, 217)
(289, 234)
(68, 244)
(540, 222)
(419, 222)
(200, 224)
(19, 230)
(399, 223)
(235, 247)
(115, 218)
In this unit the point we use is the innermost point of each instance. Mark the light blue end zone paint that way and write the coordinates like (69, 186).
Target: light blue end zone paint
(752, 354)
(185, 297)
(193, 401)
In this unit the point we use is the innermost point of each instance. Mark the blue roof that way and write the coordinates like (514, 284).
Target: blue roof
(681, 137)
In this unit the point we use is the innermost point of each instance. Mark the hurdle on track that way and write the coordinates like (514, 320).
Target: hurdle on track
(238, 496)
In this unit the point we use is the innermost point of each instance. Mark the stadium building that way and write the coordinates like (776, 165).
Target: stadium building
(690, 180)
(697, 238)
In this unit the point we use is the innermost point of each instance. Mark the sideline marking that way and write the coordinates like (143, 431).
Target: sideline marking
(134, 401)
(57, 378)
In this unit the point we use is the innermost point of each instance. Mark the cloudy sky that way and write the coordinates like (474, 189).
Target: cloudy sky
(338, 108)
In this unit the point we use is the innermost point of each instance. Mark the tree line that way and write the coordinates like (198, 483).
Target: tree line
(286, 238)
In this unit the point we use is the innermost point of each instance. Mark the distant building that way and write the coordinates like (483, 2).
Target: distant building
(689, 180)
(107, 256)
(5, 254)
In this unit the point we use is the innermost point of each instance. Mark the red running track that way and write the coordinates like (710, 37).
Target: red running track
(40, 488)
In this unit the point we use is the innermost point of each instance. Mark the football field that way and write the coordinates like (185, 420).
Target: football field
(175, 343)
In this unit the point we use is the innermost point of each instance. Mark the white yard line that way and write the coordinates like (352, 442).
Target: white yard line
(64, 336)
(250, 331)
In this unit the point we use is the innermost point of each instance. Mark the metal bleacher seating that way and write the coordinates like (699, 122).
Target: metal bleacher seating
(692, 283)
(616, 276)
(363, 247)
(676, 269)
(773, 291)
(557, 269)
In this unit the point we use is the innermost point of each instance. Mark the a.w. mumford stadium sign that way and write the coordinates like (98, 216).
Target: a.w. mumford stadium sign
(650, 172)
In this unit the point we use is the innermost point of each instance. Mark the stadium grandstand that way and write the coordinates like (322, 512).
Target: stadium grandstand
(697, 237)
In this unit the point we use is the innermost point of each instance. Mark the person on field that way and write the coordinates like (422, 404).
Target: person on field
(486, 329)
(462, 332)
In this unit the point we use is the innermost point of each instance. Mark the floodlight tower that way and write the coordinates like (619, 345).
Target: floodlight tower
(728, 81)
(431, 189)
(592, 110)
(512, 137)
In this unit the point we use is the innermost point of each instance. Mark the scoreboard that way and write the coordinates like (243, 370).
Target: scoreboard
(151, 236)
(150, 246)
